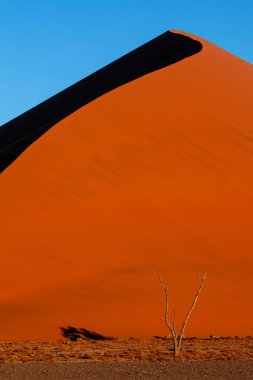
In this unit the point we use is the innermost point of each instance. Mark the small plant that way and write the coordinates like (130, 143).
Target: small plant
(177, 338)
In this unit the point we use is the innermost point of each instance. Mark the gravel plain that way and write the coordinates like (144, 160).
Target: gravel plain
(212, 369)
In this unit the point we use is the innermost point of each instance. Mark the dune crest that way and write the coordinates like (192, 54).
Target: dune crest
(164, 50)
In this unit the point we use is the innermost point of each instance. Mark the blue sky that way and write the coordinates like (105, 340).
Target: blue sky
(47, 45)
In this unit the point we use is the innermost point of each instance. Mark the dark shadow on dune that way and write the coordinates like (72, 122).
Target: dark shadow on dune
(73, 334)
(19, 133)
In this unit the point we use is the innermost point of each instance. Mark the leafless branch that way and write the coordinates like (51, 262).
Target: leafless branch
(201, 284)
(177, 339)
(170, 327)
(174, 321)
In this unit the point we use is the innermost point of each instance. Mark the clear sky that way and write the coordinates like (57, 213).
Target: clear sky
(47, 45)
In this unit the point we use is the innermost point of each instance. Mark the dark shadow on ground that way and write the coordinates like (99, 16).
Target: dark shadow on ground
(19, 133)
(73, 334)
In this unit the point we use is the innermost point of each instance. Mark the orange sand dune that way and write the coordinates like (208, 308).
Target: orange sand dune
(155, 173)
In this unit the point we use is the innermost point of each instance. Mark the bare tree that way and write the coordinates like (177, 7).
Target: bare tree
(177, 338)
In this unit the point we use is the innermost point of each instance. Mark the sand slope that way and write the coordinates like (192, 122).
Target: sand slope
(155, 173)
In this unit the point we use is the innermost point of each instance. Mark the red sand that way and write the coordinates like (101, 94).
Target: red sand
(155, 173)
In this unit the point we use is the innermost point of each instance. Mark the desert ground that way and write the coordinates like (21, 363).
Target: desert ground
(210, 358)
(214, 370)
(118, 350)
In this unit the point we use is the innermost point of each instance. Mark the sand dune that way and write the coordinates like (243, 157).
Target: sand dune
(157, 172)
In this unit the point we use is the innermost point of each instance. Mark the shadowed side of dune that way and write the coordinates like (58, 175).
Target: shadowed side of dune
(19, 133)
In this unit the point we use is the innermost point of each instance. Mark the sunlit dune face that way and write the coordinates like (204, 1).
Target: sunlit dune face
(157, 173)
